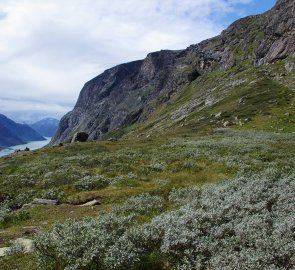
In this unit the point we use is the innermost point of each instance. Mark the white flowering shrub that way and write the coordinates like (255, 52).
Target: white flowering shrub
(81, 244)
(92, 182)
(244, 224)
(67, 174)
(157, 166)
(126, 251)
(15, 248)
(19, 181)
(4, 211)
(183, 196)
(52, 194)
(7, 216)
(141, 204)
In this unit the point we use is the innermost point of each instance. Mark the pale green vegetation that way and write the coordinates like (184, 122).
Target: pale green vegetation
(224, 199)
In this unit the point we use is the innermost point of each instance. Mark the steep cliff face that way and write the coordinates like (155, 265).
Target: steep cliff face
(131, 92)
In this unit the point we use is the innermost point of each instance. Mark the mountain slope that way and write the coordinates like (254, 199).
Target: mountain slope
(180, 90)
(46, 127)
(12, 133)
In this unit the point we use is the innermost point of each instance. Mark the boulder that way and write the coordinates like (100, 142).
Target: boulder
(242, 100)
(290, 67)
(4, 251)
(29, 230)
(92, 203)
(27, 206)
(26, 244)
(80, 137)
(44, 201)
(227, 124)
(218, 115)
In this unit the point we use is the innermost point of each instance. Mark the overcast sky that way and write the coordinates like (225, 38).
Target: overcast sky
(50, 48)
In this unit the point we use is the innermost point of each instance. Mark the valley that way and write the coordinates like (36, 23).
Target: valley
(186, 163)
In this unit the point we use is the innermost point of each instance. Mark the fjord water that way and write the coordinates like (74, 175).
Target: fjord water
(31, 145)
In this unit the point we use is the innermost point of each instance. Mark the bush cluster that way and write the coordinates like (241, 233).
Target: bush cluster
(91, 183)
(142, 203)
(248, 223)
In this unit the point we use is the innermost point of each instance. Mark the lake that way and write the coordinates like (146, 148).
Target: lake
(32, 145)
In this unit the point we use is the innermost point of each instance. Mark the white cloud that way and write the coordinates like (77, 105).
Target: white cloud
(50, 48)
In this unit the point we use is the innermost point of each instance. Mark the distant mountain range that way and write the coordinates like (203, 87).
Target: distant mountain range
(12, 133)
(46, 127)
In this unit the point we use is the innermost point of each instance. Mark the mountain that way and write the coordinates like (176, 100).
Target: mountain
(46, 127)
(12, 133)
(180, 191)
(244, 78)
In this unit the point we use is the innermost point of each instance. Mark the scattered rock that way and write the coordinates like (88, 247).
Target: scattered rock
(27, 244)
(290, 67)
(92, 203)
(4, 251)
(242, 100)
(218, 115)
(44, 201)
(27, 206)
(227, 124)
(209, 101)
(80, 137)
(273, 101)
(288, 114)
(29, 230)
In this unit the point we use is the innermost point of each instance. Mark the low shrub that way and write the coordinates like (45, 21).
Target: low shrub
(88, 183)
(241, 224)
(141, 204)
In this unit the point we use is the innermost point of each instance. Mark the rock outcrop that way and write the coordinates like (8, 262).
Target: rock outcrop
(80, 137)
(129, 93)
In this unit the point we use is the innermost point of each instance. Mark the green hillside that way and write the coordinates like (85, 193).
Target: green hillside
(114, 172)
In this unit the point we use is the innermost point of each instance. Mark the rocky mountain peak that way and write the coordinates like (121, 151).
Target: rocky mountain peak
(129, 93)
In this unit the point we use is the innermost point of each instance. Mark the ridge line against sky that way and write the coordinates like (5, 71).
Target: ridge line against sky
(50, 48)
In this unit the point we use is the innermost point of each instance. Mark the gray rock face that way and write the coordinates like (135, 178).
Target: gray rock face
(129, 93)
(279, 30)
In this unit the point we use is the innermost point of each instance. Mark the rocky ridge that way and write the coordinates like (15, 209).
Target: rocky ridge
(129, 93)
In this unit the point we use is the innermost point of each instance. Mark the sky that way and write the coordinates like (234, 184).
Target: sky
(50, 48)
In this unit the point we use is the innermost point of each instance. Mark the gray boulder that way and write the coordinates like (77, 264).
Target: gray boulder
(80, 137)
(44, 201)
